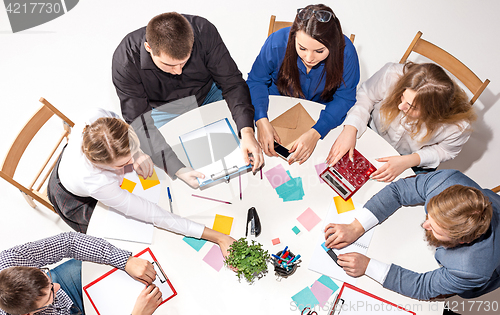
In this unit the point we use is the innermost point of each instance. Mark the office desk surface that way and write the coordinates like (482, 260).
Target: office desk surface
(202, 290)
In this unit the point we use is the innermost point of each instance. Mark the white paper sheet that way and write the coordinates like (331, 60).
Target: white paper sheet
(118, 292)
(321, 262)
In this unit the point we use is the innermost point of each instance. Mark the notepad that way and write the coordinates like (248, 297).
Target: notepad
(116, 292)
(322, 262)
(150, 181)
(223, 224)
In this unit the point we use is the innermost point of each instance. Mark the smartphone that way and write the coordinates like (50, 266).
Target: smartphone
(281, 150)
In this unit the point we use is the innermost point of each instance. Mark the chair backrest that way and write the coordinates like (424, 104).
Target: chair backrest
(496, 189)
(277, 25)
(21, 142)
(449, 62)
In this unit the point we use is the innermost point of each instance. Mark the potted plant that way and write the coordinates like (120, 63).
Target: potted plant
(249, 261)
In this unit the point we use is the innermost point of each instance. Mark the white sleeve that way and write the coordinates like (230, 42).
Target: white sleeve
(134, 206)
(377, 270)
(366, 218)
(372, 92)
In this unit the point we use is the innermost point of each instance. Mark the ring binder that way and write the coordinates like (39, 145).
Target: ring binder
(224, 173)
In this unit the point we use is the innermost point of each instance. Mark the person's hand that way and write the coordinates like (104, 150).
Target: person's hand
(190, 176)
(340, 235)
(304, 146)
(143, 165)
(354, 264)
(394, 165)
(250, 146)
(345, 142)
(148, 301)
(224, 242)
(140, 269)
(267, 135)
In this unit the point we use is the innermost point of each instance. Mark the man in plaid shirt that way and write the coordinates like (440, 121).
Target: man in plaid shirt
(28, 288)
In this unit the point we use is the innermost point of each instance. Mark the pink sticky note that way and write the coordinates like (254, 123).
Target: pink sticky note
(319, 169)
(214, 258)
(276, 241)
(321, 292)
(309, 219)
(277, 176)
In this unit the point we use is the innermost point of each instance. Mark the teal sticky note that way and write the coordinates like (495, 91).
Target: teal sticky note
(305, 298)
(296, 230)
(328, 282)
(195, 243)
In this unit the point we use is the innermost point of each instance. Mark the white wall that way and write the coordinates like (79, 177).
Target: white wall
(68, 61)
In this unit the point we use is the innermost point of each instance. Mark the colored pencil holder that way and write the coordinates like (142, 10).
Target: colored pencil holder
(280, 270)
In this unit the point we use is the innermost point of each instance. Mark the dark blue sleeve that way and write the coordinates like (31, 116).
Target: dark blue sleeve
(344, 98)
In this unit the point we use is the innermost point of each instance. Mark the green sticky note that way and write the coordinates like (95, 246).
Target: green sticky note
(296, 230)
(305, 298)
(195, 243)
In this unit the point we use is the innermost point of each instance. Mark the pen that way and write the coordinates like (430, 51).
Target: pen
(239, 176)
(170, 199)
(294, 259)
(211, 199)
(261, 173)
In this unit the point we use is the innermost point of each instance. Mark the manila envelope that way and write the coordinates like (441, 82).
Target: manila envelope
(292, 124)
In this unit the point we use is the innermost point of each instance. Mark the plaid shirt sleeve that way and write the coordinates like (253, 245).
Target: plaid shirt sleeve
(65, 245)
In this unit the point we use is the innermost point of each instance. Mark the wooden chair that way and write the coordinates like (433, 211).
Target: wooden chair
(19, 146)
(277, 25)
(496, 189)
(450, 63)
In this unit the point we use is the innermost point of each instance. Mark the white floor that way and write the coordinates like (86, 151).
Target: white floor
(68, 61)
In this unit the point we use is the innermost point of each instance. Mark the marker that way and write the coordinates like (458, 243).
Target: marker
(294, 259)
(170, 199)
(284, 251)
(211, 199)
(285, 255)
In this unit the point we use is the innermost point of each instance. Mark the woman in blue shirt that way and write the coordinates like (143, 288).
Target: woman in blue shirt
(312, 60)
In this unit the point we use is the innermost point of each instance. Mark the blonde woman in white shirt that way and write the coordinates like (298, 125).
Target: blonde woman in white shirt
(418, 109)
(91, 169)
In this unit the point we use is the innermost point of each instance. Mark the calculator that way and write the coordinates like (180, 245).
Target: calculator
(346, 177)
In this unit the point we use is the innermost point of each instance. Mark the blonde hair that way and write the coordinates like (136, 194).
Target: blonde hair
(464, 212)
(439, 99)
(108, 139)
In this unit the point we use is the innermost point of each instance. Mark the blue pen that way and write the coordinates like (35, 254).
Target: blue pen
(170, 199)
(284, 251)
(276, 256)
(294, 259)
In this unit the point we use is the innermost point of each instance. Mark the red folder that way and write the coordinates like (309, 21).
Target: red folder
(161, 277)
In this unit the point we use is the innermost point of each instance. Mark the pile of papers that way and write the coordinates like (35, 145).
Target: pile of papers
(287, 187)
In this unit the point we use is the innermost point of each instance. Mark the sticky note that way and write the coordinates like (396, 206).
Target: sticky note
(319, 169)
(214, 258)
(223, 224)
(195, 243)
(342, 205)
(296, 230)
(309, 219)
(150, 181)
(324, 247)
(277, 176)
(128, 185)
(321, 292)
(305, 298)
(276, 241)
(327, 281)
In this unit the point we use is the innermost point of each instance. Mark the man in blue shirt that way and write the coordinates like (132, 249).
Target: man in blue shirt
(462, 223)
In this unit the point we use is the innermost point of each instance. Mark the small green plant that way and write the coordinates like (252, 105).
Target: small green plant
(249, 260)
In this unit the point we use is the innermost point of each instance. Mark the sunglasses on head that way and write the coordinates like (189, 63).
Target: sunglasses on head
(321, 15)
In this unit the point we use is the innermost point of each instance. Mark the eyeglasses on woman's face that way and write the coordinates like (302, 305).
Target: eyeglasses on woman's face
(321, 15)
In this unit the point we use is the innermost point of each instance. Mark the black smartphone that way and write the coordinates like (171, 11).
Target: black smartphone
(281, 150)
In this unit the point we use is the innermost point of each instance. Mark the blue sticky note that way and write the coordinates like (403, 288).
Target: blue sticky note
(328, 282)
(305, 298)
(195, 243)
(296, 230)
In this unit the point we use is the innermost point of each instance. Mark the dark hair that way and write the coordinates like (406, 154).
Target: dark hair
(170, 34)
(21, 288)
(329, 34)
(464, 212)
(439, 99)
(107, 139)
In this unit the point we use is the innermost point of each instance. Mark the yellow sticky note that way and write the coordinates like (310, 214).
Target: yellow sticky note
(128, 185)
(150, 181)
(342, 205)
(223, 224)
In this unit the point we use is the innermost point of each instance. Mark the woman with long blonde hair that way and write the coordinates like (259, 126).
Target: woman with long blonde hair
(418, 109)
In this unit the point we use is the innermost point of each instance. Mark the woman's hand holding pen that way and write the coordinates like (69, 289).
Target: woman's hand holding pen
(141, 270)
(340, 235)
(345, 142)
